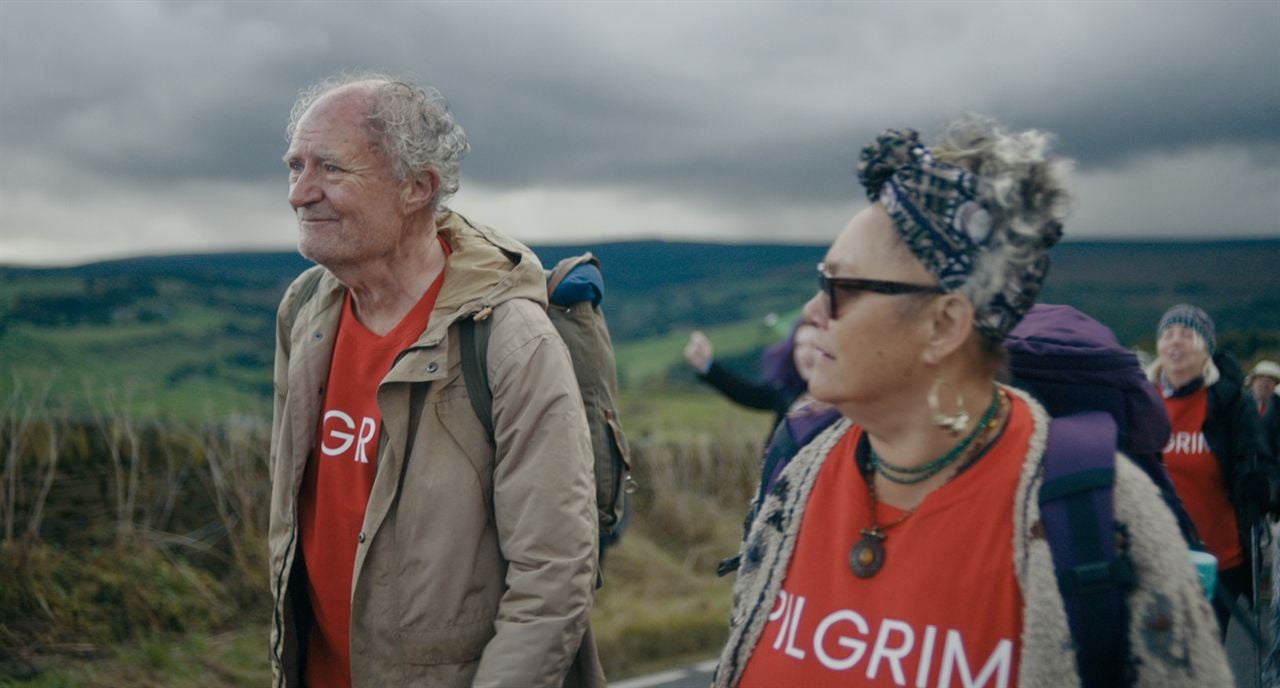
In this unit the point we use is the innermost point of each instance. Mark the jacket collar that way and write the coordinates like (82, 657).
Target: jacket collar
(1208, 378)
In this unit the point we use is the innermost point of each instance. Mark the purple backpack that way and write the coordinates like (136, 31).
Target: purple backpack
(1101, 401)
(1072, 364)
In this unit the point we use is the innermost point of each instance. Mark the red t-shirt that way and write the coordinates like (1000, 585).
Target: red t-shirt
(945, 610)
(1198, 478)
(338, 479)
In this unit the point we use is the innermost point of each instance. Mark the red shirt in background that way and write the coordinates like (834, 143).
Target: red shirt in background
(339, 477)
(945, 610)
(1198, 478)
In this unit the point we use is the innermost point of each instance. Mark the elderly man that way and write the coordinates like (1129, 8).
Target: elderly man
(406, 548)
(1262, 383)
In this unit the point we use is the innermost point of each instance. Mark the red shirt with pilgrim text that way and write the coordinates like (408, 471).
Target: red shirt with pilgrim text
(339, 477)
(945, 610)
(1198, 478)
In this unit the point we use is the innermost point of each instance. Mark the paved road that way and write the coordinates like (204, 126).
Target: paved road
(1240, 650)
(693, 676)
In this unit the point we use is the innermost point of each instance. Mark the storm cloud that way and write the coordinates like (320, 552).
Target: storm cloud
(140, 127)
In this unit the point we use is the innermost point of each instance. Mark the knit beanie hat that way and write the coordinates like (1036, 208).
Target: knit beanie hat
(1190, 317)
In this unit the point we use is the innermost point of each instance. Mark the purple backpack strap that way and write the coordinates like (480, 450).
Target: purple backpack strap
(1077, 510)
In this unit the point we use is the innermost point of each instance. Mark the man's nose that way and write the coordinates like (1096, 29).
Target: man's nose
(303, 191)
(816, 311)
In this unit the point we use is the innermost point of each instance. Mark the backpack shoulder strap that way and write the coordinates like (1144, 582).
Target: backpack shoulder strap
(474, 347)
(1077, 510)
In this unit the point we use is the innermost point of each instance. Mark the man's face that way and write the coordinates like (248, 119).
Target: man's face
(1263, 387)
(350, 207)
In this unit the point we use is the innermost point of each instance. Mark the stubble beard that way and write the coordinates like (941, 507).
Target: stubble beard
(322, 246)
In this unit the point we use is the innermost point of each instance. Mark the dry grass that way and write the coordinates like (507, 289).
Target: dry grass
(661, 597)
(225, 660)
(152, 538)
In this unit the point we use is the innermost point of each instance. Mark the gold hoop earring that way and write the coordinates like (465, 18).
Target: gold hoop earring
(956, 422)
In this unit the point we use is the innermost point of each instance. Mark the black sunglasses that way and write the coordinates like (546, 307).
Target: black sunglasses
(829, 285)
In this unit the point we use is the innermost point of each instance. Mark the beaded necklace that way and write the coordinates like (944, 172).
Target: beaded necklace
(867, 556)
(922, 473)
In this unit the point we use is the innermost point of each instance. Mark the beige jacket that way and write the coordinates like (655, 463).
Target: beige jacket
(476, 566)
(1173, 636)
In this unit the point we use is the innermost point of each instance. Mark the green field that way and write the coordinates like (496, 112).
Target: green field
(192, 335)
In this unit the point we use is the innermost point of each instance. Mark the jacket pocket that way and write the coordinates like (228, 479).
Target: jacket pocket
(452, 645)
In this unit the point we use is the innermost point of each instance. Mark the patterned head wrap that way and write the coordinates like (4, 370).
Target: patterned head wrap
(939, 211)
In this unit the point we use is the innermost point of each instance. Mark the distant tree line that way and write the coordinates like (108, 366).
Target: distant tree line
(98, 302)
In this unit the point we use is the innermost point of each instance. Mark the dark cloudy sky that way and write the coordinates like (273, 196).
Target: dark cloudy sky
(140, 127)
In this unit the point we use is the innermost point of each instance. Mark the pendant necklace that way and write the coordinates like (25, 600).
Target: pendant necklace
(867, 556)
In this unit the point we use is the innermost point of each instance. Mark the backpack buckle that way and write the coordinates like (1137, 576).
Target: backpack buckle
(1098, 576)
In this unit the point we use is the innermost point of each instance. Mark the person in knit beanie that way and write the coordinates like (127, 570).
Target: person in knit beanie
(1190, 317)
(1212, 454)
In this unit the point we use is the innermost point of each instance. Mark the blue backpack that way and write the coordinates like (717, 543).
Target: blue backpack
(1100, 401)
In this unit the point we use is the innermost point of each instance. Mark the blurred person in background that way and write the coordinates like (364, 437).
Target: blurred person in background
(904, 543)
(1212, 454)
(1262, 383)
(784, 370)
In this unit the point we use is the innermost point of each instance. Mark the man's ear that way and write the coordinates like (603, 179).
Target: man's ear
(420, 191)
(950, 324)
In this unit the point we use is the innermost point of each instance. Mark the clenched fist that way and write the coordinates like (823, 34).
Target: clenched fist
(698, 352)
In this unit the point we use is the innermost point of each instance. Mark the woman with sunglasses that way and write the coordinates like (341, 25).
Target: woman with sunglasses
(903, 545)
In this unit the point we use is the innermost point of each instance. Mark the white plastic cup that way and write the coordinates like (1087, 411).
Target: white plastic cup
(1207, 565)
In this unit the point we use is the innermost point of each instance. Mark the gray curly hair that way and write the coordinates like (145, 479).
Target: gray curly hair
(411, 123)
(1023, 189)
(980, 209)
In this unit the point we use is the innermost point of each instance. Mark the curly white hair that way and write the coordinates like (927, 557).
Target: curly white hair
(1023, 191)
(410, 122)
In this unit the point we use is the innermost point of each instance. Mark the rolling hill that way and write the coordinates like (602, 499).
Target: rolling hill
(192, 334)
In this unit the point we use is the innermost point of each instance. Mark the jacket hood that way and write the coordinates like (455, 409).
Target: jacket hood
(486, 268)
